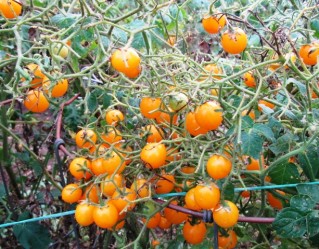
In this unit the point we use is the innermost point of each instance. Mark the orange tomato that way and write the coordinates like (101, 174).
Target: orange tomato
(91, 194)
(154, 155)
(164, 184)
(35, 101)
(141, 187)
(188, 169)
(110, 183)
(71, 193)
(249, 80)
(167, 117)
(251, 114)
(153, 133)
(171, 40)
(124, 198)
(112, 117)
(10, 8)
(85, 138)
(194, 233)
(174, 216)
(35, 73)
(164, 223)
(218, 167)
(112, 137)
(190, 200)
(214, 23)
(229, 241)
(80, 168)
(226, 214)
(207, 196)
(113, 163)
(84, 214)
(150, 107)
(105, 216)
(55, 89)
(209, 115)
(153, 222)
(98, 167)
(192, 126)
(275, 201)
(234, 41)
(309, 53)
(265, 103)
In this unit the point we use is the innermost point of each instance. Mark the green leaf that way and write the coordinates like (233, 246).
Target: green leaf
(92, 101)
(275, 126)
(247, 122)
(32, 235)
(312, 223)
(310, 190)
(314, 25)
(290, 223)
(199, 4)
(284, 173)
(107, 98)
(265, 131)
(282, 144)
(308, 161)
(301, 86)
(251, 143)
(254, 40)
(63, 21)
(304, 203)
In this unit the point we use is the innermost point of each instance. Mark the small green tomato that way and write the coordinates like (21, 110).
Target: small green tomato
(177, 101)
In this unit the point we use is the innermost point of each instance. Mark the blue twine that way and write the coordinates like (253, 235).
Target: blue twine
(57, 215)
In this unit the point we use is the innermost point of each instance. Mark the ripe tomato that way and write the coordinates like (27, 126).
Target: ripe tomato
(192, 126)
(121, 222)
(98, 167)
(207, 196)
(85, 138)
(35, 101)
(209, 115)
(194, 234)
(168, 117)
(174, 216)
(150, 107)
(154, 133)
(113, 163)
(91, 194)
(218, 167)
(141, 187)
(249, 80)
(226, 214)
(126, 151)
(71, 193)
(173, 154)
(55, 89)
(112, 117)
(251, 114)
(253, 164)
(98, 149)
(105, 216)
(35, 73)
(234, 41)
(112, 137)
(134, 72)
(213, 69)
(154, 155)
(10, 8)
(188, 169)
(265, 103)
(275, 201)
(190, 200)
(84, 214)
(80, 168)
(124, 198)
(245, 194)
(153, 222)
(126, 60)
(155, 243)
(227, 242)
(164, 184)
(214, 23)
(309, 53)
(171, 40)
(110, 183)
(164, 223)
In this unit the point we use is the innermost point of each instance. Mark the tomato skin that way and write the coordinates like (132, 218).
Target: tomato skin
(112, 137)
(174, 216)
(123, 198)
(91, 194)
(56, 89)
(171, 40)
(113, 117)
(105, 216)
(85, 138)
(190, 200)
(309, 53)
(141, 187)
(213, 24)
(59, 49)
(234, 41)
(227, 242)
(207, 196)
(149, 107)
(164, 223)
(167, 118)
(10, 9)
(266, 103)
(153, 222)
(209, 115)
(36, 75)
(192, 126)
(155, 133)
(84, 214)
(194, 234)
(71, 193)
(226, 215)
(79, 168)
(154, 155)
(218, 166)
(35, 101)
(110, 183)
(113, 163)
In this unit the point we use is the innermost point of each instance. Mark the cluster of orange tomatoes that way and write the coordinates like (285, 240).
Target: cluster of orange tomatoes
(36, 100)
